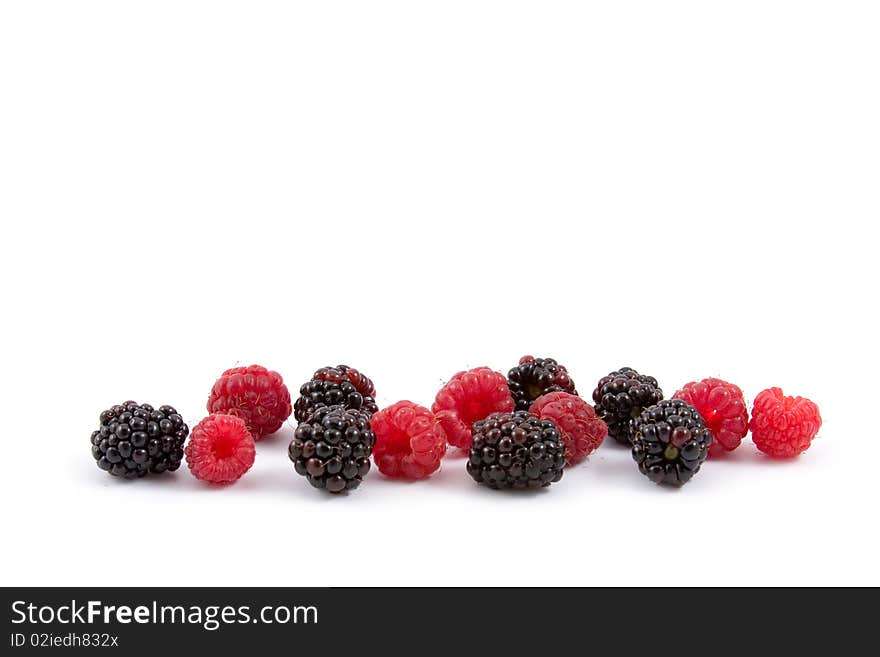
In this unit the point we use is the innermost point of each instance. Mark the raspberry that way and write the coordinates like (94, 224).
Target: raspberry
(332, 448)
(136, 439)
(409, 441)
(516, 450)
(220, 449)
(467, 397)
(340, 385)
(723, 409)
(782, 426)
(581, 430)
(534, 377)
(256, 395)
(621, 396)
(670, 442)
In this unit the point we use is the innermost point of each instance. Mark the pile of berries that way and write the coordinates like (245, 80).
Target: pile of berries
(333, 442)
(520, 431)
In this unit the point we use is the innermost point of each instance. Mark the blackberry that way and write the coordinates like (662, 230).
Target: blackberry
(621, 396)
(332, 448)
(670, 442)
(534, 377)
(516, 450)
(135, 439)
(331, 386)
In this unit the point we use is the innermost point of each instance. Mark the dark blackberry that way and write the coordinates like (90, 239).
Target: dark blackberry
(670, 442)
(534, 377)
(331, 386)
(332, 448)
(135, 439)
(621, 396)
(516, 450)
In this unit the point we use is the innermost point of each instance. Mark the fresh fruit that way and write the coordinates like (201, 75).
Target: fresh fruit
(782, 426)
(468, 397)
(621, 396)
(220, 449)
(581, 430)
(516, 450)
(409, 441)
(670, 442)
(331, 386)
(136, 439)
(256, 395)
(723, 409)
(332, 448)
(534, 377)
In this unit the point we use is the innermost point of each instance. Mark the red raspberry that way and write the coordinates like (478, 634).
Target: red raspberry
(220, 449)
(578, 425)
(409, 441)
(468, 397)
(723, 409)
(783, 426)
(256, 395)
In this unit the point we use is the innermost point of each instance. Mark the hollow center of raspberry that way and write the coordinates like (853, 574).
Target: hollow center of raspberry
(398, 442)
(223, 447)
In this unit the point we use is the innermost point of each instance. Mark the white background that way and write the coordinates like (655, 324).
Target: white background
(413, 188)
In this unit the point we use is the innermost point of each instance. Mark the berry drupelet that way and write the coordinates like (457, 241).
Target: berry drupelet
(332, 386)
(332, 448)
(621, 396)
(670, 442)
(534, 377)
(516, 450)
(136, 439)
